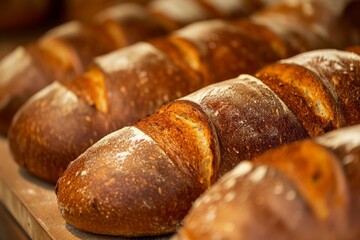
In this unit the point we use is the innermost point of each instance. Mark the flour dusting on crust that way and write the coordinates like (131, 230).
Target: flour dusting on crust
(125, 58)
(345, 137)
(327, 58)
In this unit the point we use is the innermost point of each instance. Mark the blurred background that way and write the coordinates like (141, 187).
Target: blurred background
(22, 21)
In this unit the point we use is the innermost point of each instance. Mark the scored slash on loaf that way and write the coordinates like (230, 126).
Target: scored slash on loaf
(304, 190)
(60, 122)
(66, 50)
(123, 185)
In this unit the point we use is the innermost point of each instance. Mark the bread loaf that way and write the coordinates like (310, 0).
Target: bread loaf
(138, 180)
(304, 190)
(63, 120)
(65, 51)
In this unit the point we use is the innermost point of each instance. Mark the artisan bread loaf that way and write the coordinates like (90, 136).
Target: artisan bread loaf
(65, 51)
(327, 90)
(128, 84)
(304, 190)
(204, 135)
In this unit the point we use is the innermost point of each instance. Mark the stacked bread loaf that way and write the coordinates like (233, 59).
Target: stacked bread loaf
(63, 120)
(304, 190)
(65, 51)
(142, 179)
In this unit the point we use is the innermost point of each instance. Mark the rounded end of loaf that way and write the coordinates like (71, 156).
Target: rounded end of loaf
(125, 185)
(52, 129)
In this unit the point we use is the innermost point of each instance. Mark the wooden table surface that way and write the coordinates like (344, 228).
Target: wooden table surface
(32, 203)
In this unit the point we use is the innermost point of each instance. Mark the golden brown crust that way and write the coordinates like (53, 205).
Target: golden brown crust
(177, 56)
(252, 202)
(121, 108)
(264, 34)
(115, 93)
(340, 72)
(73, 45)
(303, 80)
(301, 90)
(188, 138)
(240, 119)
(137, 195)
(80, 42)
(90, 87)
(313, 181)
(249, 119)
(316, 173)
(221, 50)
(46, 149)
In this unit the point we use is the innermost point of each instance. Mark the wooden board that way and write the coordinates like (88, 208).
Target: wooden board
(32, 203)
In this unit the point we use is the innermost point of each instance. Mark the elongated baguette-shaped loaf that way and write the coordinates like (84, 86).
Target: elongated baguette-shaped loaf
(65, 51)
(142, 179)
(304, 190)
(63, 120)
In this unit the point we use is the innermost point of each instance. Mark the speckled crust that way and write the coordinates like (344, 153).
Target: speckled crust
(110, 89)
(249, 119)
(234, 121)
(73, 45)
(164, 69)
(312, 181)
(110, 190)
(340, 72)
(55, 144)
(330, 76)
(42, 163)
(191, 133)
(59, 55)
(223, 50)
(187, 136)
